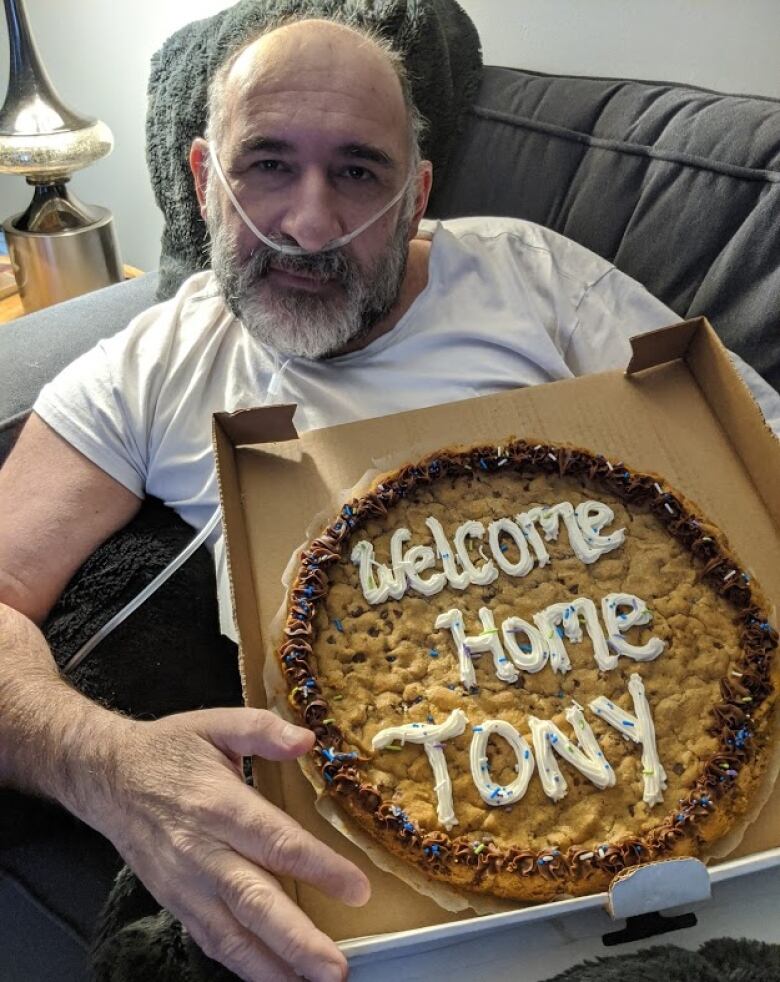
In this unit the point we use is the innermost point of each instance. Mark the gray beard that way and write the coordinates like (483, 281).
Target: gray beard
(297, 323)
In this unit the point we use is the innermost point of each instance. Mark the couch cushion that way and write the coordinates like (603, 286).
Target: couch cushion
(33, 349)
(678, 187)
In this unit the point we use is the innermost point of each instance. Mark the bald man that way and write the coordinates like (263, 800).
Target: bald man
(328, 290)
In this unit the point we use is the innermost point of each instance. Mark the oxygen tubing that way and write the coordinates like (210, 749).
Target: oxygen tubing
(144, 594)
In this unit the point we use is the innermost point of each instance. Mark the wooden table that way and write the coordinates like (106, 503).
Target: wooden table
(11, 306)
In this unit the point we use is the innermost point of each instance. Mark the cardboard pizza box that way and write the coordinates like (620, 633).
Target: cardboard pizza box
(679, 410)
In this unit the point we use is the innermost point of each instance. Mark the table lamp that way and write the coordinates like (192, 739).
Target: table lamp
(59, 247)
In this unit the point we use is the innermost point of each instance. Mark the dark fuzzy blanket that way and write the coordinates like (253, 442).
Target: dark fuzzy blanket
(138, 940)
(169, 656)
(719, 960)
(442, 53)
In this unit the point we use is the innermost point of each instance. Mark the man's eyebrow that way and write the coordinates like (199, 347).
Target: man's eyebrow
(365, 151)
(356, 151)
(251, 144)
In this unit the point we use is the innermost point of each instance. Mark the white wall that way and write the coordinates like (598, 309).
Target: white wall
(97, 53)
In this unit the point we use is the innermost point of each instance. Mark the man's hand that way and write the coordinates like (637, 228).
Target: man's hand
(208, 847)
(168, 794)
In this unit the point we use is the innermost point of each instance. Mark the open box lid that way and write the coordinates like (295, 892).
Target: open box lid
(680, 410)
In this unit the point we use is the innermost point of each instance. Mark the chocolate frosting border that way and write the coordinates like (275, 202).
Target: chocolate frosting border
(731, 719)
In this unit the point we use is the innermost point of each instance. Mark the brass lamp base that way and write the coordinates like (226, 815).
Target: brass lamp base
(54, 266)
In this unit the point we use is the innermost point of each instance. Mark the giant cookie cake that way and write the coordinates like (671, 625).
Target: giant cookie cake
(527, 668)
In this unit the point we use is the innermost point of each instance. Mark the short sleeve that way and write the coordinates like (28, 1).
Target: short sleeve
(85, 406)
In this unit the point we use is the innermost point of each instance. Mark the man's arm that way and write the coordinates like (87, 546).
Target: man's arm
(56, 507)
(169, 794)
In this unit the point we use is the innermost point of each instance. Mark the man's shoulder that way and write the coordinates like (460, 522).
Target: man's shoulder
(180, 325)
(492, 235)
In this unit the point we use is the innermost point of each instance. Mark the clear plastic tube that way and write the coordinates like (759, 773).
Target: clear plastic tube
(291, 250)
(144, 595)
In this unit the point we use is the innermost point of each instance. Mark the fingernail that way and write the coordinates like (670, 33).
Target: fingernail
(331, 973)
(360, 893)
(292, 735)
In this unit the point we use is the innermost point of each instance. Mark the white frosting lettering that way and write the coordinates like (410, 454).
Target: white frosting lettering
(587, 757)
(499, 794)
(535, 657)
(618, 620)
(567, 616)
(458, 580)
(416, 560)
(515, 533)
(488, 572)
(526, 523)
(641, 730)
(583, 523)
(466, 647)
(592, 516)
(431, 736)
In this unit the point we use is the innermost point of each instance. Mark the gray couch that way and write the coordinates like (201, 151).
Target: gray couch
(679, 187)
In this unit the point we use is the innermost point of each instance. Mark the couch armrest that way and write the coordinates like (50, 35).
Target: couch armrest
(33, 349)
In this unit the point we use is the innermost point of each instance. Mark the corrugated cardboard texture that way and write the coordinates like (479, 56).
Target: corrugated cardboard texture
(659, 421)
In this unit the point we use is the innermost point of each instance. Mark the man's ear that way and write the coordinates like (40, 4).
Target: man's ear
(199, 165)
(424, 184)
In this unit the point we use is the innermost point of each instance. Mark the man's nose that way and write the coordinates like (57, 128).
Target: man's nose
(311, 216)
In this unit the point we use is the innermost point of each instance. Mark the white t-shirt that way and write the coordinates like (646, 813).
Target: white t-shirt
(507, 303)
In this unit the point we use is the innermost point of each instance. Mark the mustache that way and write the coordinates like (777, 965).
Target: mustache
(330, 265)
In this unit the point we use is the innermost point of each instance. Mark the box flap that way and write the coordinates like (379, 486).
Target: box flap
(663, 345)
(658, 886)
(738, 414)
(696, 343)
(264, 424)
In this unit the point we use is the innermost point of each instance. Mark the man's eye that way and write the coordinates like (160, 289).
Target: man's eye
(359, 173)
(270, 166)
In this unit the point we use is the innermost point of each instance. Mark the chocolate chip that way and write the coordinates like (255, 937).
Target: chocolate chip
(397, 612)
(631, 810)
(359, 658)
(384, 614)
(574, 589)
(575, 683)
(678, 769)
(356, 612)
(717, 644)
(330, 639)
(390, 658)
(373, 632)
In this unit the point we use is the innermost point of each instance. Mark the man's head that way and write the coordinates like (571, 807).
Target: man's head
(315, 130)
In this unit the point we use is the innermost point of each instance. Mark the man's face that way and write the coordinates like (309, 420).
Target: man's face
(314, 146)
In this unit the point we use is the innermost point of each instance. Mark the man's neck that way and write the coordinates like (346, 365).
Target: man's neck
(414, 282)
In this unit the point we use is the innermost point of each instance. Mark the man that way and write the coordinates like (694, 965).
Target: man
(311, 135)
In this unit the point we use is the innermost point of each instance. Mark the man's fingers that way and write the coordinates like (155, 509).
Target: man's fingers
(258, 902)
(220, 936)
(252, 731)
(273, 840)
